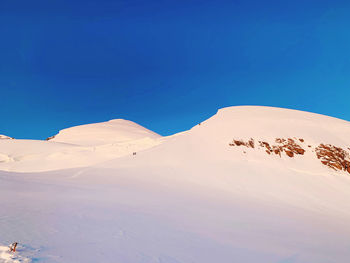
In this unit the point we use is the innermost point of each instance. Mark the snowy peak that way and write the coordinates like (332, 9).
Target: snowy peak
(298, 140)
(268, 123)
(113, 131)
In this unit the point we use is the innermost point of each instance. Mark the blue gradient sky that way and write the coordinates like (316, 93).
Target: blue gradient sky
(167, 65)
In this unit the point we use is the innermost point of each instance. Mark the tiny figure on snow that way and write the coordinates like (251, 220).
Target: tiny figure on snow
(134, 153)
(13, 247)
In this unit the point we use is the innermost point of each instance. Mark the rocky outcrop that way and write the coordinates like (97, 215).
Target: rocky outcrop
(288, 146)
(334, 157)
(249, 144)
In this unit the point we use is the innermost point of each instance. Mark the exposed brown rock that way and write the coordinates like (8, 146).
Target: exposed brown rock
(334, 157)
(280, 140)
(249, 144)
(239, 143)
(300, 151)
(288, 146)
(289, 153)
(265, 144)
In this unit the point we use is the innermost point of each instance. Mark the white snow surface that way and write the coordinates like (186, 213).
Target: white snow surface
(185, 198)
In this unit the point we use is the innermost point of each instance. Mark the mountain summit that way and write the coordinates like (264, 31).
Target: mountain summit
(113, 131)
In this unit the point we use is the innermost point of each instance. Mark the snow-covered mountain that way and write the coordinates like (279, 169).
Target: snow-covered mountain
(277, 132)
(113, 131)
(250, 184)
(78, 146)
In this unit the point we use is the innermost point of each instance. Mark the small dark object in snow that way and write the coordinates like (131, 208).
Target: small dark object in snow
(13, 247)
(134, 153)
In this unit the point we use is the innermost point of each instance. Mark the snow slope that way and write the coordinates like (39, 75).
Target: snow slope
(76, 147)
(190, 198)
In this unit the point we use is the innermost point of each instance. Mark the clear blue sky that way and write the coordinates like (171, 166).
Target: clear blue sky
(167, 65)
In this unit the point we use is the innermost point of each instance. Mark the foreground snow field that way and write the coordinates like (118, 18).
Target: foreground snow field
(189, 197)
